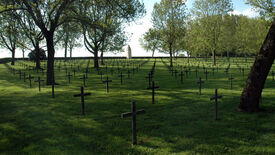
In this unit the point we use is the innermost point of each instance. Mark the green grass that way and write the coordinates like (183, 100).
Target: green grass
(180, 122)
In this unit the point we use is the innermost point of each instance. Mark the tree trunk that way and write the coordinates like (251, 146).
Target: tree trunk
(153, 52)
(50, 62)
(96, 59)
(228, 56)
(171, 55)
(214, 57)
(13, 57)
(37, 56)
(249, 100)
(101, 58)
(66, 49)
(71, 51)
(23, 52)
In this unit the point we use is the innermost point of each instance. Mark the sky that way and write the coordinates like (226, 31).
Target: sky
(137, 29)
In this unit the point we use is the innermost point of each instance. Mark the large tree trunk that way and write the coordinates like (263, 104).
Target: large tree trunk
(101, 58)
(250, 98)
(13, 57)
(37, 56)
(50, 62)
(214, 57)
(96, 59)
(153, 52)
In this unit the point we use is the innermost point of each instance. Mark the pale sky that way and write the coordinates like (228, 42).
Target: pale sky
(138, 28)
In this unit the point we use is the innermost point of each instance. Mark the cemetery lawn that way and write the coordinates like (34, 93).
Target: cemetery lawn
(180, 122)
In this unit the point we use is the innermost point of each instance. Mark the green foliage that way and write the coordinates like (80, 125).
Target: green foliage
(150, 41)
(32, 55)
(210, 14)
(169, 21)
(266, 8)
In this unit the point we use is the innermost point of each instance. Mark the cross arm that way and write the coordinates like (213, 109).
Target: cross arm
(128, 114)
(216, 97)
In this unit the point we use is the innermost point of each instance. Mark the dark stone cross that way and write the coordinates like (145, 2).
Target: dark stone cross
(153, 91)
(181, 77)
(39, 82)
(149, 79)
(272, 75)
(82, 95)
(30, 79)
(121, 77)
(231, 81)
(84, 80)
(200, 82)
(216, 97)
(107, 84)
(69, 77)
(133, 113)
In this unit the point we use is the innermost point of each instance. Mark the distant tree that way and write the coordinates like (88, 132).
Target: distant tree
(41, 55)
(9, 33)
(150, 41)
(70, 36)
(211, 14)
(168, 19)
(32, 33)
(108, 21)
(228, 39)
(196, 44)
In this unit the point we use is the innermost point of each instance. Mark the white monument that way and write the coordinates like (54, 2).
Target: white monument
(128, 52)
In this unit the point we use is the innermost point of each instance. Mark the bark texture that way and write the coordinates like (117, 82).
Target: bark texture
(250, 98)
(50, 62)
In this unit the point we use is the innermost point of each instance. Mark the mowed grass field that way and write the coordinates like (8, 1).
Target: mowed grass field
(180, 122)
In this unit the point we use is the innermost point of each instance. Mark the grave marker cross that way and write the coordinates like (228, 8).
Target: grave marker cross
(107, 84)
(231, 81)
(149, 79)
(200, 82)
(39, 81)
(133, 113)
(69, 77)
(84, 80)
(121, 77)
(30, 79)
(216, 97)
(153, 91)
(82, 95)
